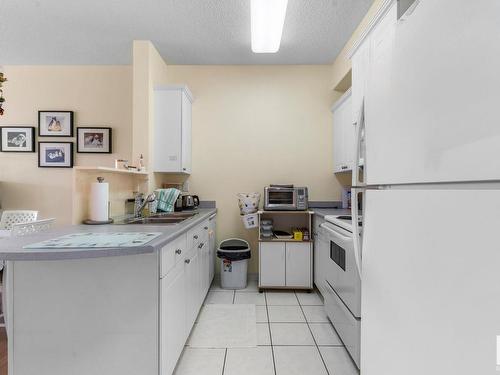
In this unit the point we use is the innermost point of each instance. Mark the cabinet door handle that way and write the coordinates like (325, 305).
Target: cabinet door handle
(178, 251)
(187, 261)
(206, 228)
(201, 245)
(195, 237)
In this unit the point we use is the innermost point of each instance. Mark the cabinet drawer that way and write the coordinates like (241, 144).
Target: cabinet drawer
(171, 254)
(194, 237)
(204, 231)
(347, 326)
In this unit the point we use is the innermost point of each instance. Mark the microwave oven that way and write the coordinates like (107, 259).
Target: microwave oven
(286, 198)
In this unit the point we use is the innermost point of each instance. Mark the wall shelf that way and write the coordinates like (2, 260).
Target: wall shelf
(110, 170)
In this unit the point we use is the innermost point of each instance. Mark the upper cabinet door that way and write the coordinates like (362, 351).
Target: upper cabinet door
(186, 133)
(338, 140)
(343, 134)
(433, 93)
(360, 66)
(172, 130)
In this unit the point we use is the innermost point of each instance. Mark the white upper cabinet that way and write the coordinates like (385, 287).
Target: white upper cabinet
(343, 134)
(172, 129)
(360, 69)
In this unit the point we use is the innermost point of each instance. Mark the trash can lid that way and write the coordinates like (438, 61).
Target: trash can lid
(234, 244)
(234, 249)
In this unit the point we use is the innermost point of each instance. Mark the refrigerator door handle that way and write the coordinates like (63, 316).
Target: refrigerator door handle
(356, 239)
(360, 126)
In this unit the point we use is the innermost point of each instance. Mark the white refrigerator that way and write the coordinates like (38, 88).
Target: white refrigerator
(429, 139)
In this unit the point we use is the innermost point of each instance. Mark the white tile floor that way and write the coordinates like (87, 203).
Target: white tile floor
(294, 337)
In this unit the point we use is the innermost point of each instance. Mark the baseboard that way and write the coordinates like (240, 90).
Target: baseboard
(250, 276)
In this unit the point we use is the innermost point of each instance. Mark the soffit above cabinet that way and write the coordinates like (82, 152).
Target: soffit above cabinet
(183, 88)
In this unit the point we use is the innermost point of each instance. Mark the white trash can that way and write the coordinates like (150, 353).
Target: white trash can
(234, 254)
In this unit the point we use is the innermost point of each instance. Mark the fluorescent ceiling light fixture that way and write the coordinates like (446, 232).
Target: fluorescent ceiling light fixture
(268, 18)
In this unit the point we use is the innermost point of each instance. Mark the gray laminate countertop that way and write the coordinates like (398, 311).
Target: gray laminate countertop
(12, 248)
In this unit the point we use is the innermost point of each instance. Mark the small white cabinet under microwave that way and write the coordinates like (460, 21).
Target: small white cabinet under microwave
(286, 263)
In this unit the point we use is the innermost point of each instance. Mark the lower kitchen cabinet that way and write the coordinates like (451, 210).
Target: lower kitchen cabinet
(192, 289)
(272, 264)
(298, 264)
(182, 291)
(110, 315)
(285, 264)
(321, 255)
(212, 222)
(173, 318)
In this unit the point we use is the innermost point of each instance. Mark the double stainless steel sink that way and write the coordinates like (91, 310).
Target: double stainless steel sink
(161, 219)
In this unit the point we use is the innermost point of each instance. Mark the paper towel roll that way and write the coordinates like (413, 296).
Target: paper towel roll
(98, 201)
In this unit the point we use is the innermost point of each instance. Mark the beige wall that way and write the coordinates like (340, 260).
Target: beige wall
(149, 70)
(256, 125)
(99, 96)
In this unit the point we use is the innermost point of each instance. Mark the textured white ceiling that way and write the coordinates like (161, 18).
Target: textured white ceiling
(184, 31)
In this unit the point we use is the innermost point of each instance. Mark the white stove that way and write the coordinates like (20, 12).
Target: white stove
(342, 280)
(343, 221)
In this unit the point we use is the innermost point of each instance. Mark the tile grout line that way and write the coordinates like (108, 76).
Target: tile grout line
(225, 353)
(314, 339)
(270, 334)
(224, 364)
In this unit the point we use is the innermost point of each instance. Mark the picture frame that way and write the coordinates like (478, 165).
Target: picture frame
(55, 123)
(55, 154)
(17, 139)
(94, 140)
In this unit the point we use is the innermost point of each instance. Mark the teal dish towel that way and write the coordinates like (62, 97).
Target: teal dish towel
(166, 199)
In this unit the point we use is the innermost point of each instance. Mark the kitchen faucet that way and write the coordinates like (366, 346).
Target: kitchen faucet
(150, 198)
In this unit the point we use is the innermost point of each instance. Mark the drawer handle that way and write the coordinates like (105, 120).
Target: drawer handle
(206, 228)
(187, 261)
(178, 251)
(195, 237)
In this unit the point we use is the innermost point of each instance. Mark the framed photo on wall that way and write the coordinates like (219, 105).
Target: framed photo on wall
(93, 140)
(55, 123)
(17, 139)
(55, 154)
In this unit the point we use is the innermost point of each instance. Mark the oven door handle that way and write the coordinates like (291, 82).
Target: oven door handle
(335, 233)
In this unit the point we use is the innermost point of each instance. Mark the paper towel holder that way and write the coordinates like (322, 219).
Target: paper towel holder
(93, 222)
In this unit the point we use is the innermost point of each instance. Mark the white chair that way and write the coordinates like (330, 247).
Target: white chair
(24, 229)
(11, 217)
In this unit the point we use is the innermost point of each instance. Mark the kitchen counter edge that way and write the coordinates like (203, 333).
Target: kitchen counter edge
(11, 249)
